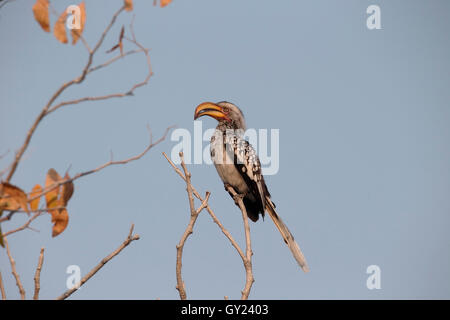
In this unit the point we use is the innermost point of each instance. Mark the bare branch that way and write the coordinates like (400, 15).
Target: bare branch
(130, 238)
(210, 211)
(107, 63)
(189, 229)
(12, 212)
(13, 269)
(2, 288)
(247, 258)
(4, 170)
(96, 98)
(24, 226)
(86, 45)
(129, 92)
(37, 275)
(113, 95)
(9, 215)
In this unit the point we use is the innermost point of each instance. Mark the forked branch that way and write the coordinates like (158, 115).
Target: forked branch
(189, 229)
(247, 257)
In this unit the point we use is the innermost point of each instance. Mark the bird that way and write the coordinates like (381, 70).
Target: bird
(238, 165)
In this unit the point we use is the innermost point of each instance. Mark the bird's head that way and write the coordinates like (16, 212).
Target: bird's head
(225, 112)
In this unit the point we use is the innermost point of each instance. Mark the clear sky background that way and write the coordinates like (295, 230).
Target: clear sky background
(364, 173)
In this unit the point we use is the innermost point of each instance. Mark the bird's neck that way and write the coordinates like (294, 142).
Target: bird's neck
(230, 125)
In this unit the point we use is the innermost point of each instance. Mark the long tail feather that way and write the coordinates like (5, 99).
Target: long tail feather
(287, 235)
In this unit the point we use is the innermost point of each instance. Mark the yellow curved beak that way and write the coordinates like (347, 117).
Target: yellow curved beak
(209, 109)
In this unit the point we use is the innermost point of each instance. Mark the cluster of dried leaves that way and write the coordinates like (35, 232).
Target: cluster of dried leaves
(42, 15)
(57, 193)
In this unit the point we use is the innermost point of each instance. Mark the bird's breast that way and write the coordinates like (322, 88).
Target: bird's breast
(224, 163)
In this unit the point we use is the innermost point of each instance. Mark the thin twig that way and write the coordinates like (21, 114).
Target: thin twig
(24, 226)
(12, 212)
(130, 238)
(4, 170)
(189, 229)
(86, 45)
(130, 92)
(9, 215)
(112, 60)
(2, 288)
(37, 275)
(13, 269)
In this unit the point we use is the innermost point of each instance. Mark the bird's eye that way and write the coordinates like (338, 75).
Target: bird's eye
(225, 110)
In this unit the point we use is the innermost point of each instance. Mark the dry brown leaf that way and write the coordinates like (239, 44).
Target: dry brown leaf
(59, 30)
(52, 196)
(121, 48)
(128, 5)
(67, 191)
(34, 204)
(40, 10)
(60, 218)
(120, 44)
(164, 3)
(76, 33)
(58, 198)
(12, 197)
(122, 32)
(60, 222)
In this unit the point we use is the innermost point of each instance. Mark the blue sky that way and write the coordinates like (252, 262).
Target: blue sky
(364, 171)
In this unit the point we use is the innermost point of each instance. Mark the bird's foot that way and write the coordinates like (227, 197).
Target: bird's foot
(237, 198)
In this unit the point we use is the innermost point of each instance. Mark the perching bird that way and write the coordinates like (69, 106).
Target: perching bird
(238, 166)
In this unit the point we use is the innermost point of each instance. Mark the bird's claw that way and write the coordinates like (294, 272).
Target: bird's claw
(237, 198)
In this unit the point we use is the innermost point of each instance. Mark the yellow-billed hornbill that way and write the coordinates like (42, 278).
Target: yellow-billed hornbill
(238, 166)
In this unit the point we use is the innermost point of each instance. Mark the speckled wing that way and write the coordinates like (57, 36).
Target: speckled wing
(247, 163)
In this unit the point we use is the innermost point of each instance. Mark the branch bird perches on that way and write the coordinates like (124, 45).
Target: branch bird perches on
(246, 258)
